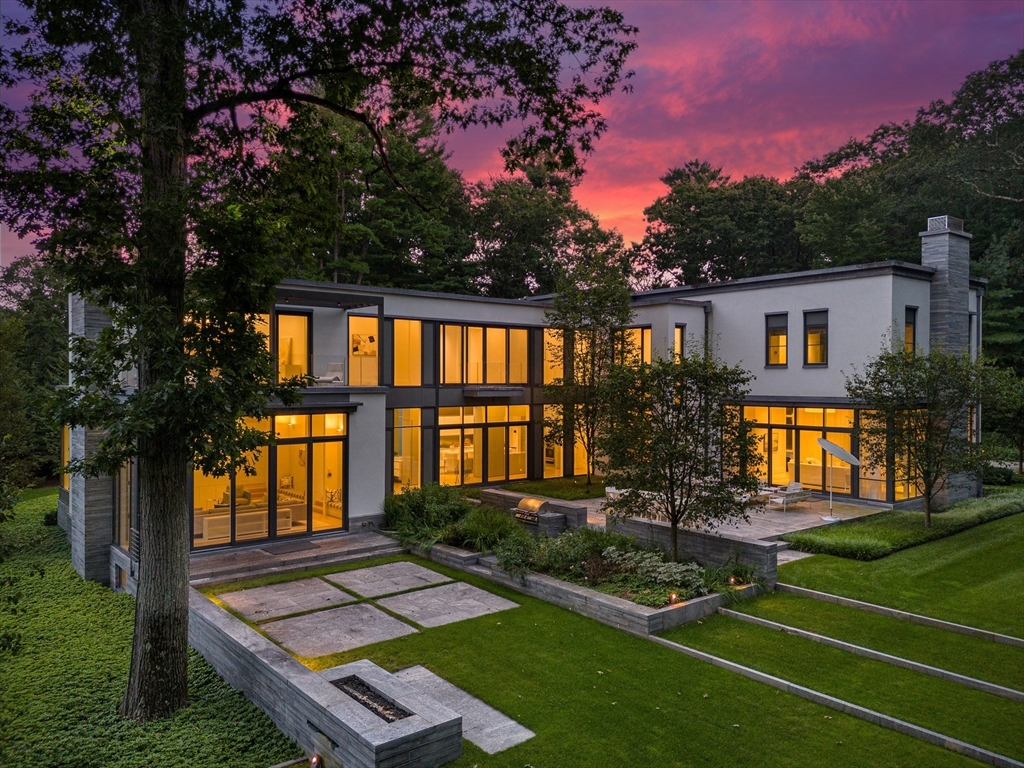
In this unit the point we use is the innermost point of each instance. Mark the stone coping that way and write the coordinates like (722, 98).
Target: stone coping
(614, 611)
(308, 708)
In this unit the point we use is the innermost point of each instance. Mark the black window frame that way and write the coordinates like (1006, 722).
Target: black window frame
(808, 325)
(768, 327)
(910, 321)
(680, 353)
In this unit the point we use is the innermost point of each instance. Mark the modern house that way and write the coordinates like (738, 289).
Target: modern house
(413, 388)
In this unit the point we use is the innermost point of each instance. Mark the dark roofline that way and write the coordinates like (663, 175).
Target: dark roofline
(828, 274)
(343, 288)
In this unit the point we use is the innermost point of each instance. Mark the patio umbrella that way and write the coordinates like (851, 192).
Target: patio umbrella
(841, 453)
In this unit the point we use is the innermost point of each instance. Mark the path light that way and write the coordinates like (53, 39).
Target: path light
(733, 580)
(316, 762)
(673, 598)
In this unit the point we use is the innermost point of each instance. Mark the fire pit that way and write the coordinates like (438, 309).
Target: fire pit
(383, 708)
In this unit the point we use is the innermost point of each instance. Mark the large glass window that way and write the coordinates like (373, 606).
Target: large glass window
(363, 336)
(816, 338)
(910, 329)
(408, 371)
(484, 355)
(811, 474)
(65, 456)
(553, 355)
(783, 464)
(407, 442)
(839, 476)
(463, 458)
(638, 345)
(292, 345)
(518, 356)
(305, 493)
(123, 506)
(777, 332)
(553, 463)
(451, 354)
(328, 484)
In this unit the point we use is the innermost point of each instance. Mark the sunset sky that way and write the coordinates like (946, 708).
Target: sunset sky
(760, 87)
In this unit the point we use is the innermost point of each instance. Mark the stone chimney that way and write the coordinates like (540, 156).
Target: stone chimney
(946, 247)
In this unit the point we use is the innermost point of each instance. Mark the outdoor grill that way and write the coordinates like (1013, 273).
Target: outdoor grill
(528, 510)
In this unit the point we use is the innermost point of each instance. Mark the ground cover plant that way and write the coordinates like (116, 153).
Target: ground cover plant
(596, 696)
(982, 659)
(618, 565)
(972, 578)
(565, 488)
(59, 694)
(879, 535)
(940, 705)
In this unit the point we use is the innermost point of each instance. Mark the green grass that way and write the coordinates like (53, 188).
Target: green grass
(567, 488)
(874, 537)
(598, 697)
(982, 659)
(974, 578)
(992, 723)
(59, 695)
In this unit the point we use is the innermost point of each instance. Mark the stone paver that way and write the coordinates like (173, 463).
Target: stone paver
(789, 555)
(281, 599)
(386, 579)
(336, 630)
(438, 606)
(485, 726)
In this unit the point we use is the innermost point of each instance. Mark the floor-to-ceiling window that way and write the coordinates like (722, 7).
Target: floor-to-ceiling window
(407, 439)
(408, 357)
(296, 486)
(482, 443)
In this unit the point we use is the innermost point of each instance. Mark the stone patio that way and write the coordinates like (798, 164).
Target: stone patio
(335, 630)
(438, 606)
(485, 726)
(387, 579)
(276, 600)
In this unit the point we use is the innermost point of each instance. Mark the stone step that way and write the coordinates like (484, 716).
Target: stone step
(782, 545)
(227, 573)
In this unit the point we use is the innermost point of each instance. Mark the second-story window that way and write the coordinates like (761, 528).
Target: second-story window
(554, 355)
(293, 333)
(910, 330)
(777, 339)
(680, 342)
(638, 342)
(816, 338)
(408, 370)
(363, 337)
(484, 355)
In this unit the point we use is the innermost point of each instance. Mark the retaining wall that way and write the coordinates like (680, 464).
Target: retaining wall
(608, 609)
(705, 548)
(305, 706)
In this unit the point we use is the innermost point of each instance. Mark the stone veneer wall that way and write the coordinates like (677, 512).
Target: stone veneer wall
(705, 548)
(308, 708)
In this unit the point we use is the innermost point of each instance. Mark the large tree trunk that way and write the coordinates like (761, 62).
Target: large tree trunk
(158, 680)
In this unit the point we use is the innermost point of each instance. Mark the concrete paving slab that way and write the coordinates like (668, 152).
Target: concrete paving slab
(387, 579)
(446, 604)
(281, 599)
(485, 726)
(335, 630)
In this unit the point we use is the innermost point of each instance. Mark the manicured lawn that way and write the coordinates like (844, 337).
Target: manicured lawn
(985, 660)
(598, 697)
(568, 488)
(887, 532)
(59, 695)
(949, 708)
(975, 577)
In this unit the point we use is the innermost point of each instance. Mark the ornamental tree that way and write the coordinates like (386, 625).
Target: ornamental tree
(139, 164)
(676, 446)
(916, 417)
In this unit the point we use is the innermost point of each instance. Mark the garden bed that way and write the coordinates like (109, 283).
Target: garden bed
(888, 532)
(608, 609)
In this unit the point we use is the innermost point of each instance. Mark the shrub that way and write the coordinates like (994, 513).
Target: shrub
(484, 528)
(993, 475)
(50, 518)
(424, 516)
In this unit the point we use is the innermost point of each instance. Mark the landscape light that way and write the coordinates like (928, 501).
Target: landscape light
(315, 761)
(673, 598)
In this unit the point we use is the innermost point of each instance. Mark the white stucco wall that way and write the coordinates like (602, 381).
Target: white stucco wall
(367, 459)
